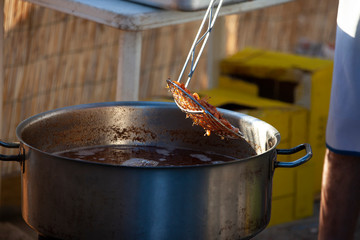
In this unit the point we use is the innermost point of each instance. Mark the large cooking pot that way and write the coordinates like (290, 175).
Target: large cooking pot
(74, 199)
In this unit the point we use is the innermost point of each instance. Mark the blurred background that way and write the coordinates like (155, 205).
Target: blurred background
(277, 66)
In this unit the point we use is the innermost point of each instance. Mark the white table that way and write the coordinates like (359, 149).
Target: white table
(132, 19)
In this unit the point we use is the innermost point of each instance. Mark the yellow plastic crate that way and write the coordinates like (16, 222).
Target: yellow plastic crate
(282, 210)
(301, 80)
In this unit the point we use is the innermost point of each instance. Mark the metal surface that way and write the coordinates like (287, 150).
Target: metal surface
(184, 5)
(74, 199)
(9, 157)
(296, 149)
(202, 36)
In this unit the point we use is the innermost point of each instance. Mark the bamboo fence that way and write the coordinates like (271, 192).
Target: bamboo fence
(53, 60)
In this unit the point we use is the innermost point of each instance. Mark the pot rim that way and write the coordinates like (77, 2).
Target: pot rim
(50, 113)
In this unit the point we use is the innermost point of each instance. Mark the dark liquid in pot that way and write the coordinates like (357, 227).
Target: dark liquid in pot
(144, 156)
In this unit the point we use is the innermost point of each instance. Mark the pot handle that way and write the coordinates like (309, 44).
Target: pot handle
(10, 157)
(296, 149)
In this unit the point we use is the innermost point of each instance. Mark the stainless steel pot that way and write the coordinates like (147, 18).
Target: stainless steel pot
(74, 199)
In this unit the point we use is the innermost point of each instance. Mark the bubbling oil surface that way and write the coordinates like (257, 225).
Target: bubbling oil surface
(144, 156)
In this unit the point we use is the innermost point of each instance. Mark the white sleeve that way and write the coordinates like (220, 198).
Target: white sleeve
(343, 128)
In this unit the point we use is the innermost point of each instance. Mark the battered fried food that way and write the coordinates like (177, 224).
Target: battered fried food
(201, 119)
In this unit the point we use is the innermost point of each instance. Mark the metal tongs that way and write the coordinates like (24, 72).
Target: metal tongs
(186, 101)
